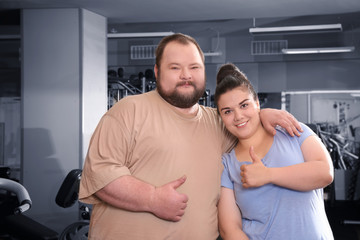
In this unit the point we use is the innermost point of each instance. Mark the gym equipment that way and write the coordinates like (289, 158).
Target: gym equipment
(15, 200)
(66, 197)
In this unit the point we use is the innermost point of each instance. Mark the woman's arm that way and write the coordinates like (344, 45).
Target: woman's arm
(270, 118)
(230, 224)
(316, 172)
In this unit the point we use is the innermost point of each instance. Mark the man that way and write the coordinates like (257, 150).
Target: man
(154, 162)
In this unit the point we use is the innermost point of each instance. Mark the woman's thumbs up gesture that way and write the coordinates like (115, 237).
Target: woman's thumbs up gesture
(255, 174)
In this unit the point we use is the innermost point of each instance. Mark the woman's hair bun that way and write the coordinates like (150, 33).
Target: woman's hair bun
(226, 70)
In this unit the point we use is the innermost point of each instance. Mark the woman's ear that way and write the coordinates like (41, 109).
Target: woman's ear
(258, 105)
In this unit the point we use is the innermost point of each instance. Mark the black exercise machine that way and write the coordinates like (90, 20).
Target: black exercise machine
(66, 197)
(14, 200)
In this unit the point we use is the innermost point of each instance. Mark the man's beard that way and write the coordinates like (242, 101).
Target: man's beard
(181, 100)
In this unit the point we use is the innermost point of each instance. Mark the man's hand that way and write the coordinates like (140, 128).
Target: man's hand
(270, 118)
(167, 203)
(255, 174)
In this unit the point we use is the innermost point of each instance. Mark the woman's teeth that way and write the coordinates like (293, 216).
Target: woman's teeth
(241, 124)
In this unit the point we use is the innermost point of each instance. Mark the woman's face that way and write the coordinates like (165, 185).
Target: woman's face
(239, 112)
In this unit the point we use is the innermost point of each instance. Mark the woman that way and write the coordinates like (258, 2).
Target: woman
(271, 185)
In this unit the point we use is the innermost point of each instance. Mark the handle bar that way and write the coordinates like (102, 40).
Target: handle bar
(21, 193)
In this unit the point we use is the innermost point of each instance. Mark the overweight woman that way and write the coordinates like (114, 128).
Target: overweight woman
(272, 185)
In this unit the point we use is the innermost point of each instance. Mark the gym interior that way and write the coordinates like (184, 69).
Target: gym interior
(63, 66)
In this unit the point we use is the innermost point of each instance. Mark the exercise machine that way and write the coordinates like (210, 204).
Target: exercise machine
(15, 200)
(14, 225)
(66, 197)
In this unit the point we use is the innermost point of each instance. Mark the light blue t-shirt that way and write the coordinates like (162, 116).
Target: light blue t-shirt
(273, 212)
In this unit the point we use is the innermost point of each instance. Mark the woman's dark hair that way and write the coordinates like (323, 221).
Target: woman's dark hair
(229, 77)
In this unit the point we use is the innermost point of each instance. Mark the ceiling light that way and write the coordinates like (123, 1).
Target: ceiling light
(9, 37)
(296, 29)
(212, 54)
(139, 34)
(317, 50)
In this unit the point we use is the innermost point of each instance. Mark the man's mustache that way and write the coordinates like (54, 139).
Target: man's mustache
(190, 83)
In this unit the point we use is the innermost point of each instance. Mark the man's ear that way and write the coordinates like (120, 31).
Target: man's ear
(156, 71)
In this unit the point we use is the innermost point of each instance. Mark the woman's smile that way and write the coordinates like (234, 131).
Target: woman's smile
(241, 124)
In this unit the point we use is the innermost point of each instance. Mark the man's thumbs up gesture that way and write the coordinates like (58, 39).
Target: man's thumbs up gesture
(167, 203)
(255, 174)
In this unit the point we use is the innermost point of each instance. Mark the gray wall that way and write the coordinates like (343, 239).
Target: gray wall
(60, 91)
(94, 77)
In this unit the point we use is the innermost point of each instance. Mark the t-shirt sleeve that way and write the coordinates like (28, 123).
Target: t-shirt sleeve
(225, 177)
(305, 134)
(106, 159)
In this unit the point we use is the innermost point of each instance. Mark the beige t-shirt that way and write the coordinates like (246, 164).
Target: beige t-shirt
(146, 137)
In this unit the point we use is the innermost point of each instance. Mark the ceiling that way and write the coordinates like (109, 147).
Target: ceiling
(202, 18)
(141, 11)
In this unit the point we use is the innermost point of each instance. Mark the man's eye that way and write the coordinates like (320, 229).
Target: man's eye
(244, 105)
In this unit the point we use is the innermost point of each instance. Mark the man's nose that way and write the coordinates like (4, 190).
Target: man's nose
(185, 74)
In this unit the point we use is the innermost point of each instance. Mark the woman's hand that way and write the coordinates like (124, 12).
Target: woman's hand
(255, 174)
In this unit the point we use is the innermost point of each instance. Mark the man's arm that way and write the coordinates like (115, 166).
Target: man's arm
(230, 222)
(316, 172)
(130, 193)
(270, 118)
